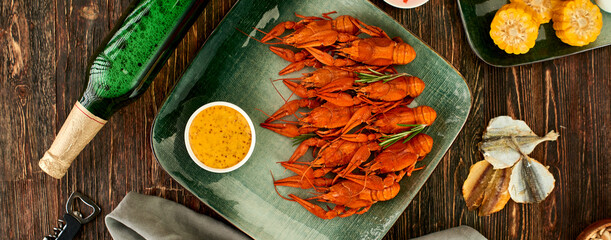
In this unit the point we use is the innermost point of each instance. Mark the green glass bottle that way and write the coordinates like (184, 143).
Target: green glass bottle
(120, 71)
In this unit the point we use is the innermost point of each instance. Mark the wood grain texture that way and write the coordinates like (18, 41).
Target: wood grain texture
(44, 47)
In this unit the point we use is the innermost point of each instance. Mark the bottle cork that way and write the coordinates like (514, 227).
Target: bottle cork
(78, 130)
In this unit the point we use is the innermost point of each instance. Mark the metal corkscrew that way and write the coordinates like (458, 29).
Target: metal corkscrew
(73, 219)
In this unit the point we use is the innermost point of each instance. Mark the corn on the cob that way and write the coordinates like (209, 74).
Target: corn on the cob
(542, 8)
(577, 22)
(515, 28)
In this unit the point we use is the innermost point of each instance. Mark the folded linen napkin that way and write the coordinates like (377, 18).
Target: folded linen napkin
(148, 217)
(456, 233)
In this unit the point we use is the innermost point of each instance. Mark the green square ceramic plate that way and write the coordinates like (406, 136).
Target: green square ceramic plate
(232, 68)
(477, 16)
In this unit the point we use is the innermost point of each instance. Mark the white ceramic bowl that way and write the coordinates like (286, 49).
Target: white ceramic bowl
(604, 5)
(220, 170)
(409, 4)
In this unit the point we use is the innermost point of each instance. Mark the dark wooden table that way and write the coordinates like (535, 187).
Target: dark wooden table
(44, 47)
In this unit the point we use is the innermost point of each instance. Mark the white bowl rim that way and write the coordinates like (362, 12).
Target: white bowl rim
(405, 6)
(188, 144)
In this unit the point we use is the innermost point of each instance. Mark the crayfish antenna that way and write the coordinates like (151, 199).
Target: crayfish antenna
(326, 15)
(310, 18)
(248, 35)
(288, 79)
(317, 194)
(335, 179)
(282, 120)
(277, 91)
(253, 38)
(276, 189)
(303, 173)
(264, 113)
(393, 68)
(364, 182)
(261, 31)
(413, 168)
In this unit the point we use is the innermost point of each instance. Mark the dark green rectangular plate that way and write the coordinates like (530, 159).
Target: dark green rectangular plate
(231, 67)
(477, 16)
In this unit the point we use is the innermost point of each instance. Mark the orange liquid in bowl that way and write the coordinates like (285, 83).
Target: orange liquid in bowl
(220, 137)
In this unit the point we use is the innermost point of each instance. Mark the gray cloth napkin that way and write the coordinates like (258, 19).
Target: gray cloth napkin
(457, 233)
(147, 217)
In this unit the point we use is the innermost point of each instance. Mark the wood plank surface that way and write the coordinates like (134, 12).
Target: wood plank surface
(45, 45)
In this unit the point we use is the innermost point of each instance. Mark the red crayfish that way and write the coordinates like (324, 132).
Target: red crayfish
(363, 136)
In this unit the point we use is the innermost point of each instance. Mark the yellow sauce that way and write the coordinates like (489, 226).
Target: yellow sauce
(220, 137)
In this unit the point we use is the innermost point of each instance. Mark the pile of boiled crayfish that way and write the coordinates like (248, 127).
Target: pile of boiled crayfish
(358, 105)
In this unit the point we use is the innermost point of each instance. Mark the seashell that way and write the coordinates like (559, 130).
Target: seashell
(497, 147)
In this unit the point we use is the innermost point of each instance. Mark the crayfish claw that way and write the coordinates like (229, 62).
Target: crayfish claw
(291, 107)
(278, 30)
(317, 210)
(301, 150)
(285, 54)
(288, 130)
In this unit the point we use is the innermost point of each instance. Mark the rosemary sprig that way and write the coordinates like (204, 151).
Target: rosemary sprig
(378, 76)
(409, 134)
(297, 140)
